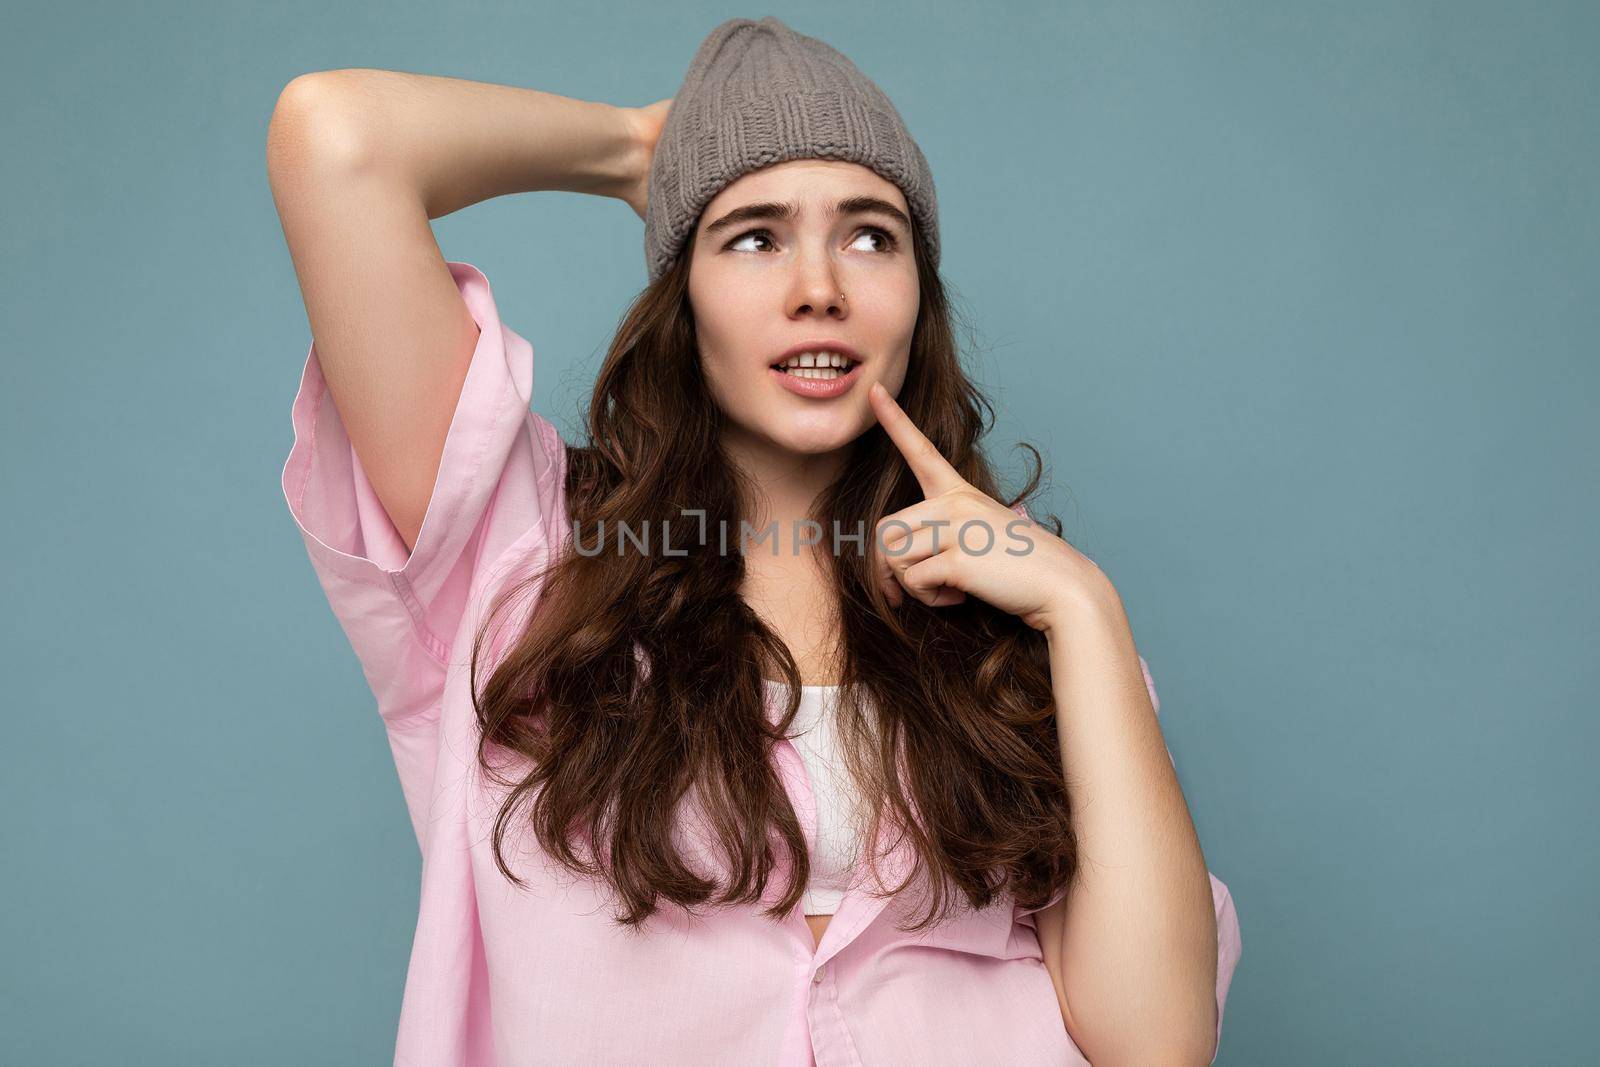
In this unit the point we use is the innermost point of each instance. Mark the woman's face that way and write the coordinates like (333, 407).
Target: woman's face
(761, 284)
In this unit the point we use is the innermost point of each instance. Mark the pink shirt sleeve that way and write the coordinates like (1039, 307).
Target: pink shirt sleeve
(498, 486)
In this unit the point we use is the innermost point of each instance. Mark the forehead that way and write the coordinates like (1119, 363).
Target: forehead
(813, 184)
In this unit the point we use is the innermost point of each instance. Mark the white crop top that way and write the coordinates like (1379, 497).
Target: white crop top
(833, 861)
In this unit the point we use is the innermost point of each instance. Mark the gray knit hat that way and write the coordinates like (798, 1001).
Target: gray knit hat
(758, 93)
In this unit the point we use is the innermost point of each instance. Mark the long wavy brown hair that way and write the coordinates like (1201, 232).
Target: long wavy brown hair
(635, 687)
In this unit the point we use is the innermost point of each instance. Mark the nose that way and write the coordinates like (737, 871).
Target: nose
(817, 286)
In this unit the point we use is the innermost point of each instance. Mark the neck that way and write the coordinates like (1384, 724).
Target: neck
(785, 581)
(789, 484)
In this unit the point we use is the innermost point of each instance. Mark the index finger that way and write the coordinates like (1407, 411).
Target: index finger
(932, 471)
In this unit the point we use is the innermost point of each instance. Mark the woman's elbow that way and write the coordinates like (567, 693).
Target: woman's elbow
(313, 126)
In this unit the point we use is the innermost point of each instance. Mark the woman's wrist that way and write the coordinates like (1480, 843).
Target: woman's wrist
(630, 168)
(619, 159)
(1090, 602)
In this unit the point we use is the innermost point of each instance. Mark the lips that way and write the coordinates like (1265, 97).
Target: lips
(818, 388)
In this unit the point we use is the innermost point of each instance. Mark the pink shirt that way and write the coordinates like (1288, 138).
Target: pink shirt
(501, 976)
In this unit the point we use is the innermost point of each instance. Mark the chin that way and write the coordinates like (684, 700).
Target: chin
(814, 444)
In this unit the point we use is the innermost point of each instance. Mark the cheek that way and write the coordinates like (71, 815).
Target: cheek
(718, 380)
(733, 388)
(894, 376)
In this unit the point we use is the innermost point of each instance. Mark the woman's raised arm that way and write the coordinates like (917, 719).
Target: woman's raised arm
(359, 162)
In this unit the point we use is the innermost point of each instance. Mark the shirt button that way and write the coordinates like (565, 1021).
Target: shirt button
(816, 979)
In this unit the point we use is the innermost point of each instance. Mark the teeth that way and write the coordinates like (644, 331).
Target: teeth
(817, 365)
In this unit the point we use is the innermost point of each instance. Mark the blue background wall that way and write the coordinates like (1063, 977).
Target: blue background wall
(1298, 299)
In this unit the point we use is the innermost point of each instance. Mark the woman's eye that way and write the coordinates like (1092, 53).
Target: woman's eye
(885, 236)
(752, 235)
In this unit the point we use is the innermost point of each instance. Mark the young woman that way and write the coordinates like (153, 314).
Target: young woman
(761, 728)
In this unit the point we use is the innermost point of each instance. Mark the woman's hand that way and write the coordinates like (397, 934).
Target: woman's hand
(646, 123)
(959, 541)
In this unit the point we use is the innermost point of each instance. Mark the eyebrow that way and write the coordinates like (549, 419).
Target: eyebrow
(785, 211)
